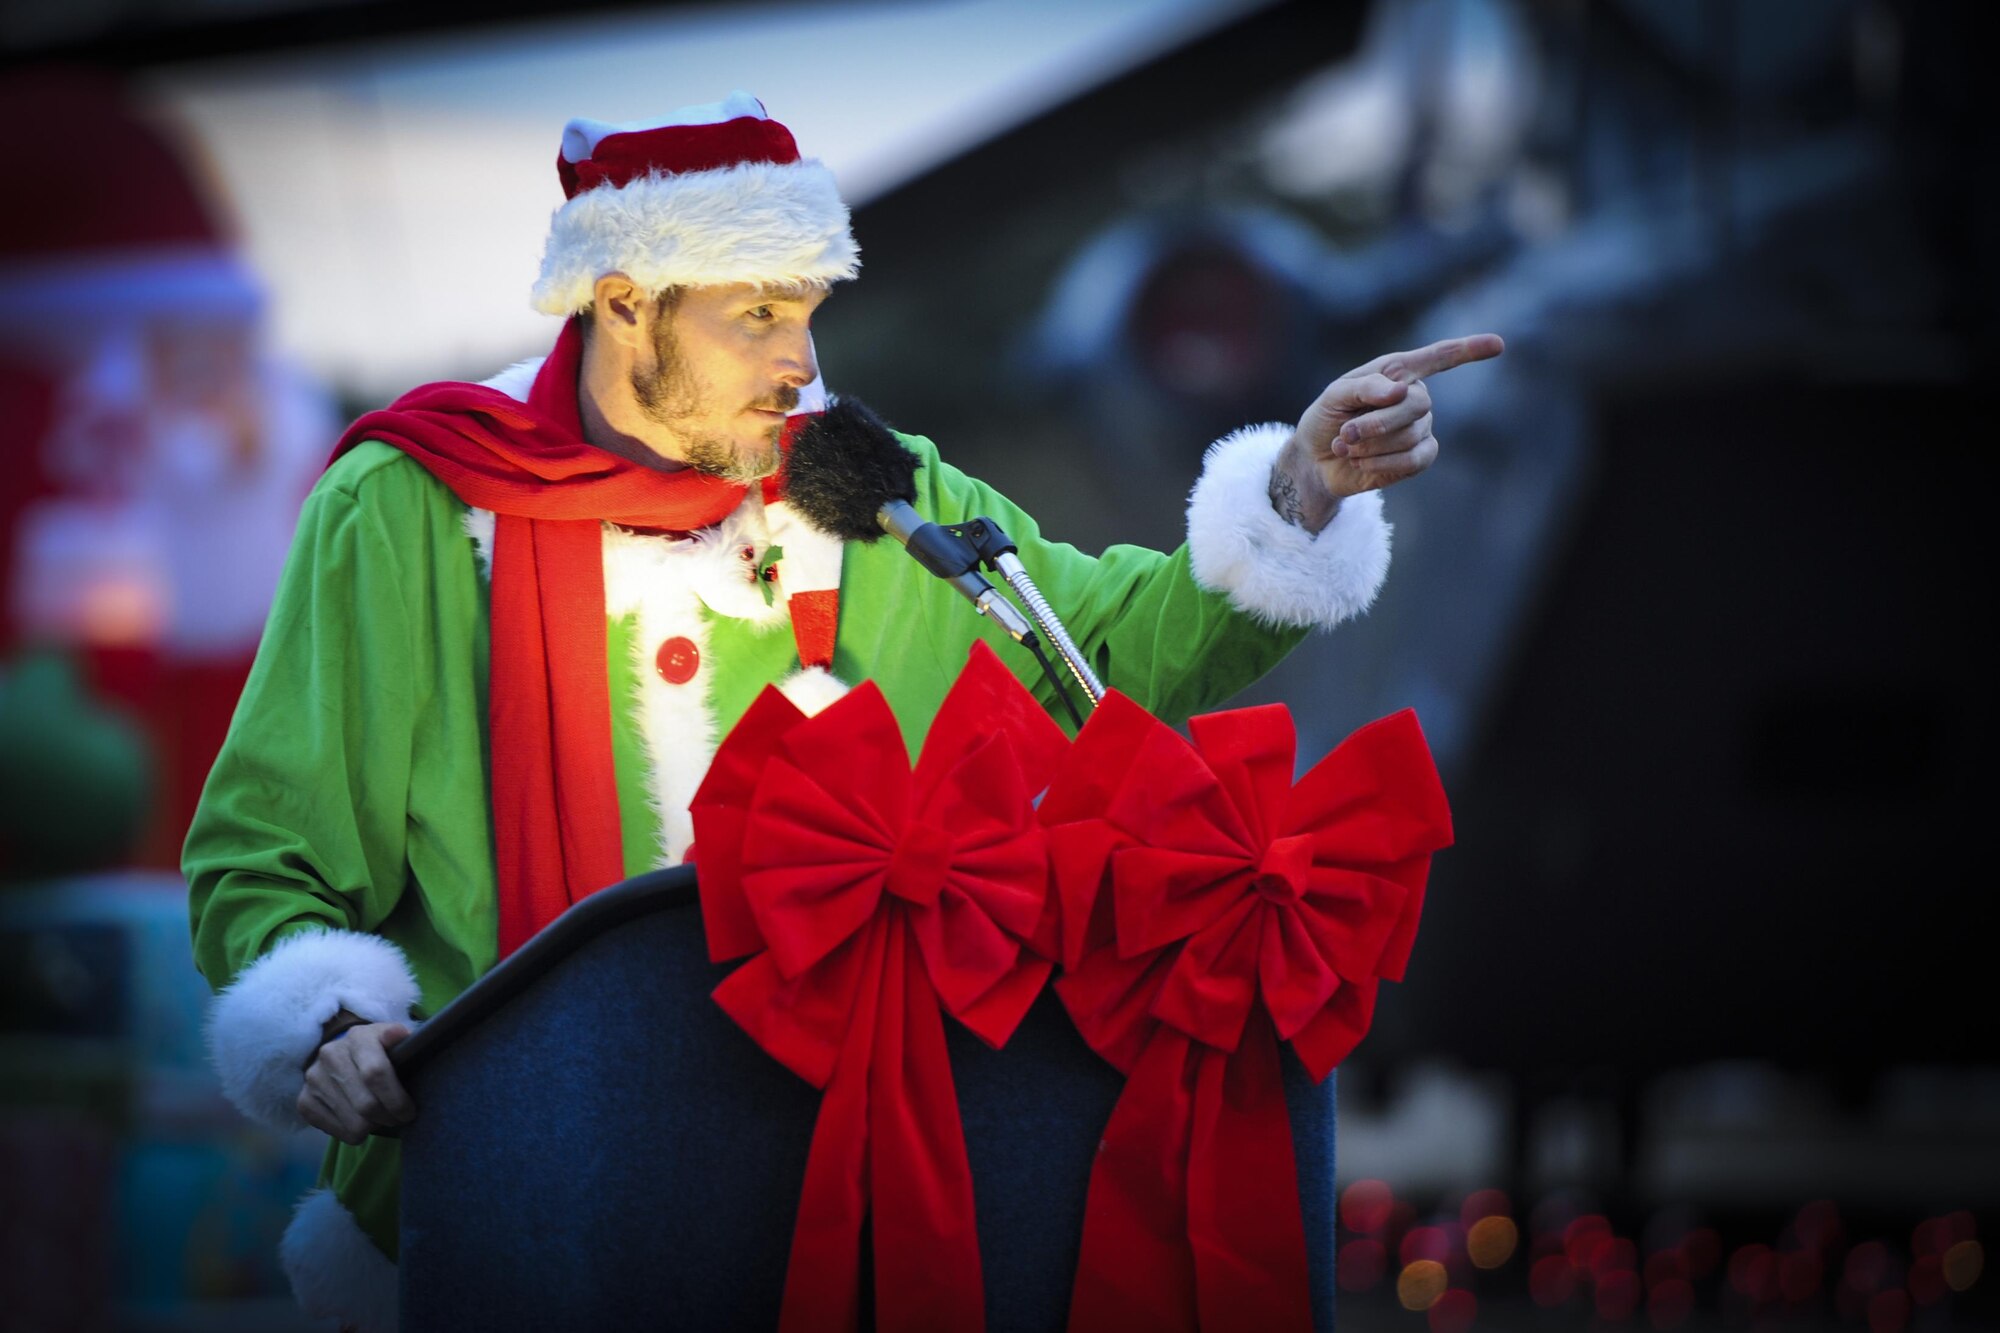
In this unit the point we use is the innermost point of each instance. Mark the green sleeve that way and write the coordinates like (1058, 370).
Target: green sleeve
(302, 822)
(351, 793)
(1149, 630)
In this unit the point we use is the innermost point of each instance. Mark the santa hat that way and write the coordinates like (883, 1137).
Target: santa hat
(712, 195)
(123, 220)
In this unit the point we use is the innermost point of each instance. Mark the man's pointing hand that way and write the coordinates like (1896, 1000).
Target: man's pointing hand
(1369, 429)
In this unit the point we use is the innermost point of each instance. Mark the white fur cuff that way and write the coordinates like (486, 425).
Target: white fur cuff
(335, 1270)
(1273, 570)
(263, 1030)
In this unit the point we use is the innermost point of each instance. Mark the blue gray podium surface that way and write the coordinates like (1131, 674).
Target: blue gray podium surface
(601, 1147)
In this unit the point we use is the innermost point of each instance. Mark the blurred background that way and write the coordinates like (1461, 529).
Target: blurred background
(1697, 1033)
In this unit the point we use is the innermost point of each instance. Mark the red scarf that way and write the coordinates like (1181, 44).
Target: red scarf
(555, 796)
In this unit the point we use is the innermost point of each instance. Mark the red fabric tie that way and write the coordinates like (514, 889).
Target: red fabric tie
(555, 799)
(871, 897)
(1243, 911)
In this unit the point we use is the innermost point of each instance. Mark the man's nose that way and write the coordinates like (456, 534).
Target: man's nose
(798, 366)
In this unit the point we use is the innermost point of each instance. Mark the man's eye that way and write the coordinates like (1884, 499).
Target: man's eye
(763, 312)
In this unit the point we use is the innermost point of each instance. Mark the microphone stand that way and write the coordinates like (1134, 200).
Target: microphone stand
(998, 552)
(954, 552)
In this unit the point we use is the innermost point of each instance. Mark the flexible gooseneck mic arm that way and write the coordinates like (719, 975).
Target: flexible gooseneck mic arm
(997, 549)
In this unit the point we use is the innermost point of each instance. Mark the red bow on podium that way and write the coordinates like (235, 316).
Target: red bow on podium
(868, 897)
(1210, 910)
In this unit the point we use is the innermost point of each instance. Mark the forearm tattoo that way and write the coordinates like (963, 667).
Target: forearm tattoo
(1285, 497)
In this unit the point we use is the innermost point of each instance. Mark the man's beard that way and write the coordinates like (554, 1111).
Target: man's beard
(669, 395)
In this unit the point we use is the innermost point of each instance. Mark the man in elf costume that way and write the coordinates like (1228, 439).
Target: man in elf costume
(518, 617)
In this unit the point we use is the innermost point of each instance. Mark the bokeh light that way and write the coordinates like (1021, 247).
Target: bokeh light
(1889, 1312)
(1491, 1241)
(1365, 1205)
(1701, 1251)
(1582, 1237)
(1614, 1254)
(1669, 1303)
(1665, 1266)
(1926, 1280)
(1812, 1267)
(1424, 1243)
(1360, 1264)
(1617, 1295)
(1454, 1311)
(1420, 1284)
(1551, 1282)
(1866, 1267)
(1799, 1276)
(1753, 1272)
(1481, 1204)
(1962, 1265)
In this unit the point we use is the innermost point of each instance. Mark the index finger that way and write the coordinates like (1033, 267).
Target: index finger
(1440, 357)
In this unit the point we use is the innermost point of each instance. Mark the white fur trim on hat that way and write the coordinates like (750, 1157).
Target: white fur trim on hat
(755, 222)
(264, 1029)
(336, 1271)
(1271, 569)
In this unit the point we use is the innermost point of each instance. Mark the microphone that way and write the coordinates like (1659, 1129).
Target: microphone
(848, 475)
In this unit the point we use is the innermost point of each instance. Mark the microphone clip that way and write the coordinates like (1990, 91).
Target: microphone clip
(998, 552)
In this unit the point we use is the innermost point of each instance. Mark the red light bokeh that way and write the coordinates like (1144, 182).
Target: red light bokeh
(1866, 1267)
(1701, 1251)
(1799, 1276)
(1551, 1282)
(1926, 1282)
(1482, 1204)
(1888, 1312)
(1425, 1243)
(1753, 1272)
(1360, 1264)
(1617, 1295)
(1365, 1205)
(1669, 1302)
(1453, 1312)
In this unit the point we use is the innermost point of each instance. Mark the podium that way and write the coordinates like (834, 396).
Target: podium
(600, 1147)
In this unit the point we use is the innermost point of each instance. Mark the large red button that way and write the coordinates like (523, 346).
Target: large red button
(678, 660)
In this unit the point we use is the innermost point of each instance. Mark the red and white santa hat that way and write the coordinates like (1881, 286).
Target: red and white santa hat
(711, 195)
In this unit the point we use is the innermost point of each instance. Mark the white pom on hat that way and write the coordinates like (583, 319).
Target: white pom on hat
(713, 194)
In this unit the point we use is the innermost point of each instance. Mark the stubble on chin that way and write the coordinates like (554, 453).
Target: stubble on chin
(730, 462)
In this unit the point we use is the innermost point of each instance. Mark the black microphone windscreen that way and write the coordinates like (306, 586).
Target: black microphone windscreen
(844, 465)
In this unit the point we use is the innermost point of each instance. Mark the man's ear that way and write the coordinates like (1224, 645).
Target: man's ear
(620, 310)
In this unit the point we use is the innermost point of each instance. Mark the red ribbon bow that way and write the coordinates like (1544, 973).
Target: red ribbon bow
(1211, 909)
(868, 897)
